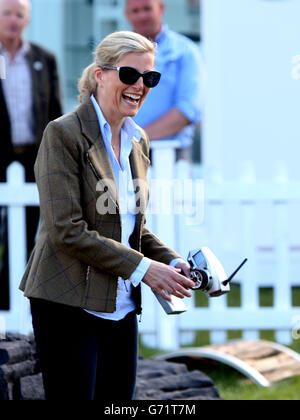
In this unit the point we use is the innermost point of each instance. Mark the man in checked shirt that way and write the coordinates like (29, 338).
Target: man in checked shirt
(29, 99)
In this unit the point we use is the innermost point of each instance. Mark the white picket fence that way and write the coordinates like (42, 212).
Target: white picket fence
(244, 218)
(16, 194)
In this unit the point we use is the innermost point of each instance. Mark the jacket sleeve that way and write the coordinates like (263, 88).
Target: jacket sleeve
(155, 249)
(59, 181)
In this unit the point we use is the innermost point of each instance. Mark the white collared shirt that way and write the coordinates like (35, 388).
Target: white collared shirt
(122, 171)
(17, 89)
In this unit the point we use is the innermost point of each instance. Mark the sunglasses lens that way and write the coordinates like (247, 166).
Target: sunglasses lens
(128, 75)
(151, 79)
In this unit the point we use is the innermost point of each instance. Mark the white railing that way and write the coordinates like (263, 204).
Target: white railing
(16, 195)
(257, 220)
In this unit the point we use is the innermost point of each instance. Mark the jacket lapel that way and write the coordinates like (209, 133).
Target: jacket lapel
(37, 85)
(2, 101)
(5, 128)
(97, 156)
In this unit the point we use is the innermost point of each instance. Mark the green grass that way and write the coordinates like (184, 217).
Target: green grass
(231, 384)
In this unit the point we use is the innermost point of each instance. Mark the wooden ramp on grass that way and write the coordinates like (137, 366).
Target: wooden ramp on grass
(264, 362)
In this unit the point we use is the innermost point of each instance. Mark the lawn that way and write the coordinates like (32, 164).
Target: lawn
(231, 384)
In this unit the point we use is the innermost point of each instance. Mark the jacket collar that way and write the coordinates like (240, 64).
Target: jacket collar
(89, 122)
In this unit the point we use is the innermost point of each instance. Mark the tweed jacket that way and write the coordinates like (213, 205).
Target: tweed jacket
(79, 255)
(46, 98)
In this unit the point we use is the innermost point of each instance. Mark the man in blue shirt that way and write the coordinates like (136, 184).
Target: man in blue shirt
(172, 109)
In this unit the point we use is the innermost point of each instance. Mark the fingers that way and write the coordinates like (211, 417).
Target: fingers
(165, 295)
(176, 285)
(181, 292)
(186, 271)
(166, 280)
(184, 268)
(177, 289)
(183, 281)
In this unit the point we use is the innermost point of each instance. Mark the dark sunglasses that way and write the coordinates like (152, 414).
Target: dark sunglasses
(129, 76)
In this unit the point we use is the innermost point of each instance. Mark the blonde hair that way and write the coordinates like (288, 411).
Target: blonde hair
(109, 52)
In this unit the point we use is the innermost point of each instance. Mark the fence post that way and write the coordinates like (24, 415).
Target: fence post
(164, 225)
(249, 286)
(217, 230)
(17, 253)
(282, 289)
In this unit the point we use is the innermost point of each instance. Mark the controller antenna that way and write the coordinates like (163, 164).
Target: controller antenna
(234, 273)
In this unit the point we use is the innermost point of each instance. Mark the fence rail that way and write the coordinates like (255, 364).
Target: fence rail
(257, 220)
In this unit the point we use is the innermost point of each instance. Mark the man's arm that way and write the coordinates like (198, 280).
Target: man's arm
(188, 98)
(168, 125)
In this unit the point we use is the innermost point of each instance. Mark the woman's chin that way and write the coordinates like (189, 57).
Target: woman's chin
(130, 109)
(131, 112)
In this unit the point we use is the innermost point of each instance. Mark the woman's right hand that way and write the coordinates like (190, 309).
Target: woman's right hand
(163, 278)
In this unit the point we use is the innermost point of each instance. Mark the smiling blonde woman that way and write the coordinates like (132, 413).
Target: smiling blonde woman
(84, 277)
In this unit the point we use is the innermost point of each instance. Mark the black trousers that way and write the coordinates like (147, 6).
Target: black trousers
(84, 357)
(27, 159)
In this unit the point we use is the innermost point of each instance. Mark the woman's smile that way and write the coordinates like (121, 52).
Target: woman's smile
(131, 98)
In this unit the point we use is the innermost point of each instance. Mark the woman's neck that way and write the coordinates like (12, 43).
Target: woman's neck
(115, 122)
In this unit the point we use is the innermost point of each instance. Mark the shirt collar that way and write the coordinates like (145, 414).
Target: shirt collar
(23, 50)
(162, 34)
(130, 127)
